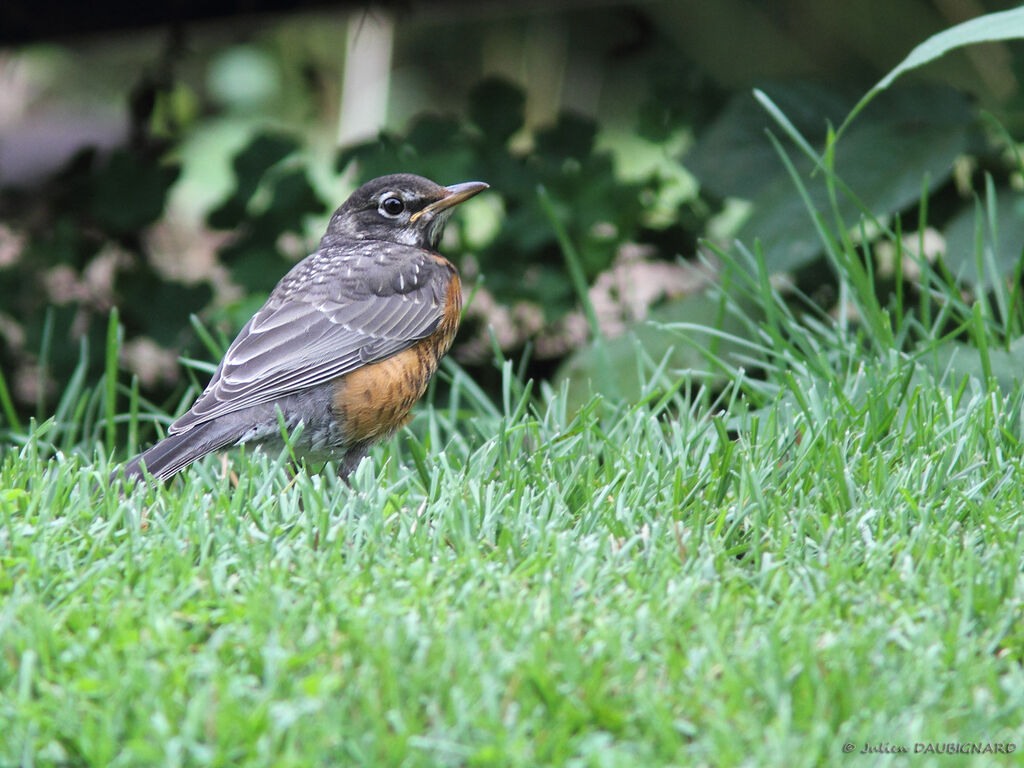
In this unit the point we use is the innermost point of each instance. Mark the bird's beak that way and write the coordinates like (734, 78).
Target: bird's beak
(454, 195)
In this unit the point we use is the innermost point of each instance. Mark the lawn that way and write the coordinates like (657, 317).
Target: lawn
(827, 555)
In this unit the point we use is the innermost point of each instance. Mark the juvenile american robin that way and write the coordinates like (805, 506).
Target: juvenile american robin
(345, 344)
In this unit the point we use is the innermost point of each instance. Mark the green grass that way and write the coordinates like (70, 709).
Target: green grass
(515, 585)
(826, 553)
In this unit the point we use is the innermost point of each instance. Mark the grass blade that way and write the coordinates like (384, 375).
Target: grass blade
(110, 380)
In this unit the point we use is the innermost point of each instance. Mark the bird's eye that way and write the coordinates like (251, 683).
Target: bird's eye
(393, 206)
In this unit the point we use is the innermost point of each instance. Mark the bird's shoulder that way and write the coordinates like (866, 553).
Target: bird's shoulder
(353, 270)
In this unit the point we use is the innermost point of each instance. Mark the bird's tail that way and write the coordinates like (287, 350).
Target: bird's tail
(175, 452)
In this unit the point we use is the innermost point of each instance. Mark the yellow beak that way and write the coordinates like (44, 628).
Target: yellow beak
(455, 194)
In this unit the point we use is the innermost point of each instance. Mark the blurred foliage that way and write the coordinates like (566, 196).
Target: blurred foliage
(703, 148)
(906, 142)
(287, 196)
(997, 223)
(83, 253)
(657, 347)
(523, 260)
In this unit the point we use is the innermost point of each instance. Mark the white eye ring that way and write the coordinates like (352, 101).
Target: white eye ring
(391, 205)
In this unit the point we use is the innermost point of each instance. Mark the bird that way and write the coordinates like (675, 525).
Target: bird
(345, 344)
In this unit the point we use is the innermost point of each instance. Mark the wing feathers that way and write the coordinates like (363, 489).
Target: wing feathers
(378, 301)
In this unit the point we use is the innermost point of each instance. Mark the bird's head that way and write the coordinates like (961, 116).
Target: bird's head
(400, 208)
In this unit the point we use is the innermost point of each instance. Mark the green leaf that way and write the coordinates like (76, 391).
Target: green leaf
(256, 266)
(733, 157)
(645, 344)
(925, 129)
(954, 360)
(129, 193)
(167, 305)
(1004, 25)
(497, 107)
(571, 136)
(293, 199)
(250, 165)
(960, 257)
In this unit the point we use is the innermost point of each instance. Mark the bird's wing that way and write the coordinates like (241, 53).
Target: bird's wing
(336, 311)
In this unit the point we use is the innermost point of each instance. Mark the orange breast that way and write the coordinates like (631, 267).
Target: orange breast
(374, 401)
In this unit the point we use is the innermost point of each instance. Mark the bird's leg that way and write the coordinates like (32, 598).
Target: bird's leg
(225, 469)
(351, 460)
